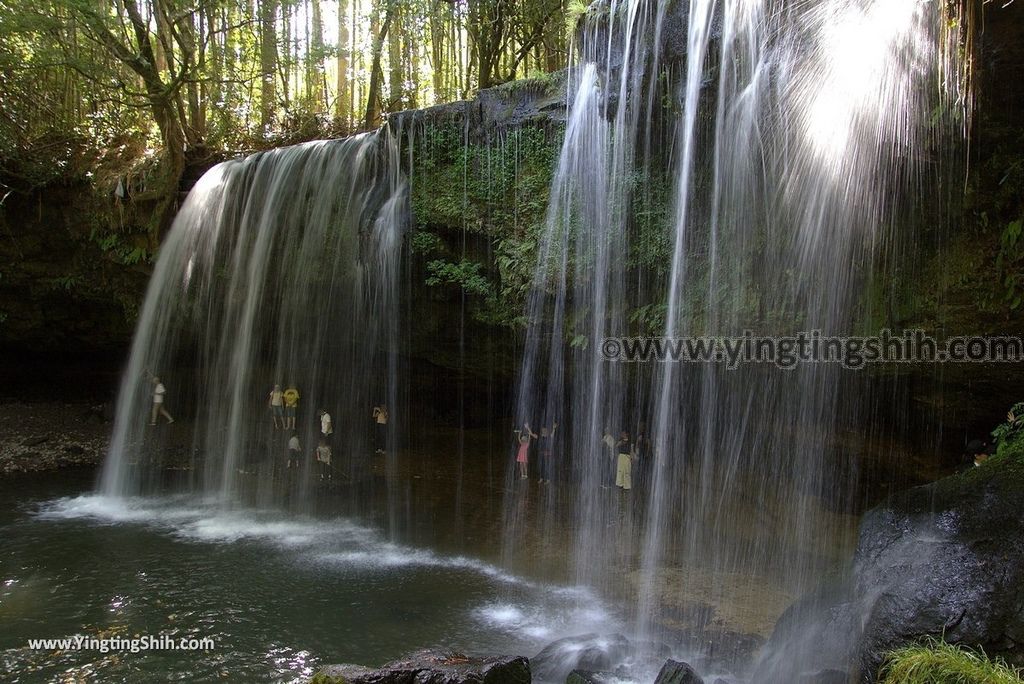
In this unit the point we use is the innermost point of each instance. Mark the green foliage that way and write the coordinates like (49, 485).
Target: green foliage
(538, 83)
(516, 259)
(67, 283)
(502, 187)
(498, 192)
(936, 662)
(1008, 434)
(1010, 262)
(114, 245)
(465, 274)
(575, 10)
(425, 243)
(649, 319)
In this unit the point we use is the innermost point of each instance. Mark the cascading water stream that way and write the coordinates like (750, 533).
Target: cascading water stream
(800, 138)
(281, 268)
(750, 189)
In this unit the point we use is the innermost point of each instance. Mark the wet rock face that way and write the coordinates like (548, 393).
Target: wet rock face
(597, 658)
(943, 560)
(432, 667)
(528, 102)
(588, 653)
(947, 559)
(675, 672)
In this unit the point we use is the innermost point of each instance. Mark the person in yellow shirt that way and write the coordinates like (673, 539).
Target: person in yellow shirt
(291, 406)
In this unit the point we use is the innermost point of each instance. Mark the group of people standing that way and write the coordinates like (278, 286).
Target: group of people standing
(623, 456)
(321, 455)
(284, 407)
(546, 451)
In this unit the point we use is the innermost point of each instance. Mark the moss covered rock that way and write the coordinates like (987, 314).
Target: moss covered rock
(941, 560)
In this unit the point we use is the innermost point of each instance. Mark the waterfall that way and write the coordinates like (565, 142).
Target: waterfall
(727, 166)
(797, 141)
(281, 268)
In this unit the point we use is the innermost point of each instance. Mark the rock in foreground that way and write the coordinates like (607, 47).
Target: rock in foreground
(432, 667)
(944, 560)
(604, 655)
(675, 672)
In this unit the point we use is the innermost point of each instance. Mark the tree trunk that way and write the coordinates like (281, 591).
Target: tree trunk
(341, 106)
(319, 54)
(411, 57)
(268, 64)
(372, 117)
(437, 50)
(396, 96)
(353, 83)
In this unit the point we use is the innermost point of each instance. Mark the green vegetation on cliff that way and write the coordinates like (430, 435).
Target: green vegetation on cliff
(479, 211)
(937, 662)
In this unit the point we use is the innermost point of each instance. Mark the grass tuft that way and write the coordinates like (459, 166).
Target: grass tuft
(937, 662)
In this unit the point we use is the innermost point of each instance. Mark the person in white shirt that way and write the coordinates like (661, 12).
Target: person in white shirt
(326, 428)
(159, 392)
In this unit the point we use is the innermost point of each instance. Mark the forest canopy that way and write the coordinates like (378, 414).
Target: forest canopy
(142, 77)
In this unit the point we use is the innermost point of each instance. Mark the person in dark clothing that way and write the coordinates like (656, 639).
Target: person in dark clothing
(546, 462)
(624, 467)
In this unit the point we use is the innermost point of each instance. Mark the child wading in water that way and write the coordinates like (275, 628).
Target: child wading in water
(323, 457)
(523, 455)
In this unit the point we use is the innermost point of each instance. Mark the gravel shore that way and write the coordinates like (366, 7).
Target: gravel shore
(36, 437)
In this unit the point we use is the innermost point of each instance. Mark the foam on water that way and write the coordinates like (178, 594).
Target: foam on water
(528, 613)
(385, 556)
(545, 622)
(544, 611)
(196, 520)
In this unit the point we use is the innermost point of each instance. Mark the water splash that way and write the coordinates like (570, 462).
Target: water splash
(798, 139)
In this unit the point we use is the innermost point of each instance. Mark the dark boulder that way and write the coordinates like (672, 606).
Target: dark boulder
(675, 672)
(587, 652)
(432, 667)
(943, 560)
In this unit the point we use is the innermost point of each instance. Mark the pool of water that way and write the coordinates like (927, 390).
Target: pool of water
(280, 594)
